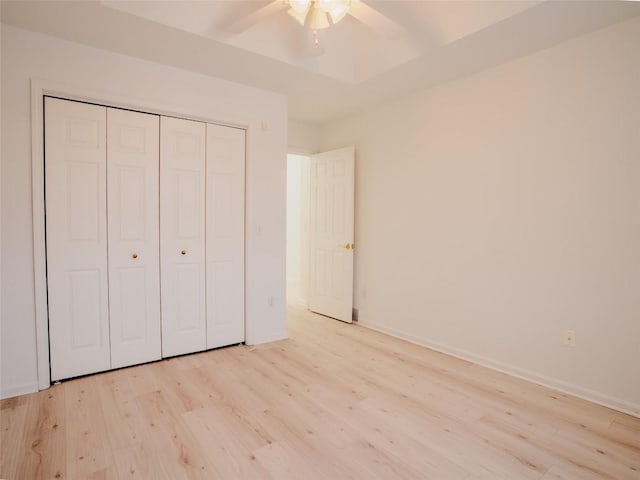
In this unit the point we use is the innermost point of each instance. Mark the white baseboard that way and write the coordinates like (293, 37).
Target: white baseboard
(620, 405)
(19, 390)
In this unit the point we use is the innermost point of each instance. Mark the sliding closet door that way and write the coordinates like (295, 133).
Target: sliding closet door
(182, 235)
(76, 225)
(225, 235)
(133, 219)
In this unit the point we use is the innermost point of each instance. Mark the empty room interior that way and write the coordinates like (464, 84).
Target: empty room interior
(320, 239)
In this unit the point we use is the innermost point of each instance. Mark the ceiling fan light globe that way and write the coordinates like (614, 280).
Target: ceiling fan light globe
(338, 11)
(300, 6)
(326, 5)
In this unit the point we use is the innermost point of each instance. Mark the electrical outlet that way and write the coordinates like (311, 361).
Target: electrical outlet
(569, 338)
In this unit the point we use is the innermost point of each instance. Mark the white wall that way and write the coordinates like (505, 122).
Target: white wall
(294, 227)
(297, 229)
(1, 222)
(304, 138)
(27, 55)
(499, 210)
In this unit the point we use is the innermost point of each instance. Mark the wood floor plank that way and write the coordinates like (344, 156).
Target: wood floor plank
(88, 449)
(180, 393)
(334, 401)
(126, 428)
(13, 415)
(41, 447)
(597, 455)
(139, 462)
(173, 444)
(624, 432)
(229, 441)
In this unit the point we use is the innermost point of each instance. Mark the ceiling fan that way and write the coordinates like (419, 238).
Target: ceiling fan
(320, 14)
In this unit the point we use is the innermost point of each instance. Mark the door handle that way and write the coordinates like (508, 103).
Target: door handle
(183, 252)
(347, 246)
(134, 256)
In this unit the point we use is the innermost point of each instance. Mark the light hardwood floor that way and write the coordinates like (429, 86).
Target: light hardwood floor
(334, 401)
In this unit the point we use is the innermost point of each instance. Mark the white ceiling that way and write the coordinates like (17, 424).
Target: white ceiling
(386, 48)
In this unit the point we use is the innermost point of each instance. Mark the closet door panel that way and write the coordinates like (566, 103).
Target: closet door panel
(182, 235)
(133, 221)
(76, 229)
(225, 235)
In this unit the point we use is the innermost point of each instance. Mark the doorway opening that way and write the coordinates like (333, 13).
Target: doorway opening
(320, 232)
(297, 229)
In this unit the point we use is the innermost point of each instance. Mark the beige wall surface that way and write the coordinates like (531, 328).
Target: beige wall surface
(304, 139)
(497, 211)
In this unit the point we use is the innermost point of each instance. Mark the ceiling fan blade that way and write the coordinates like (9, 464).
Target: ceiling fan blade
(257, 16)
(375, 20)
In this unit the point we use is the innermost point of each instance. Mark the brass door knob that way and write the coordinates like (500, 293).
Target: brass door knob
(134, 256)
(183, 252)
(346, 246)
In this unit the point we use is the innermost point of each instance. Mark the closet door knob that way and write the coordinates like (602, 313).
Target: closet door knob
(183, 252)
(135, 255)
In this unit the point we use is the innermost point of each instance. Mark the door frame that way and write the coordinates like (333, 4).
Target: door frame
(41, 88)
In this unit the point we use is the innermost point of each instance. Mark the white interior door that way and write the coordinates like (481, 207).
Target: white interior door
(225, 235)
(133, 221)
(76, 233)
(182, 235)
(331, 233)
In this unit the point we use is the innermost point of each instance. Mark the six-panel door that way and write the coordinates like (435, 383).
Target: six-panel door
(133, 202)
(225, 235)
(76, 225)
(182, 235)
(331, 233)
(133, 224)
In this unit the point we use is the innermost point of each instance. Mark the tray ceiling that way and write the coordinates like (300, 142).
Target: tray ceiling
(384, 49)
